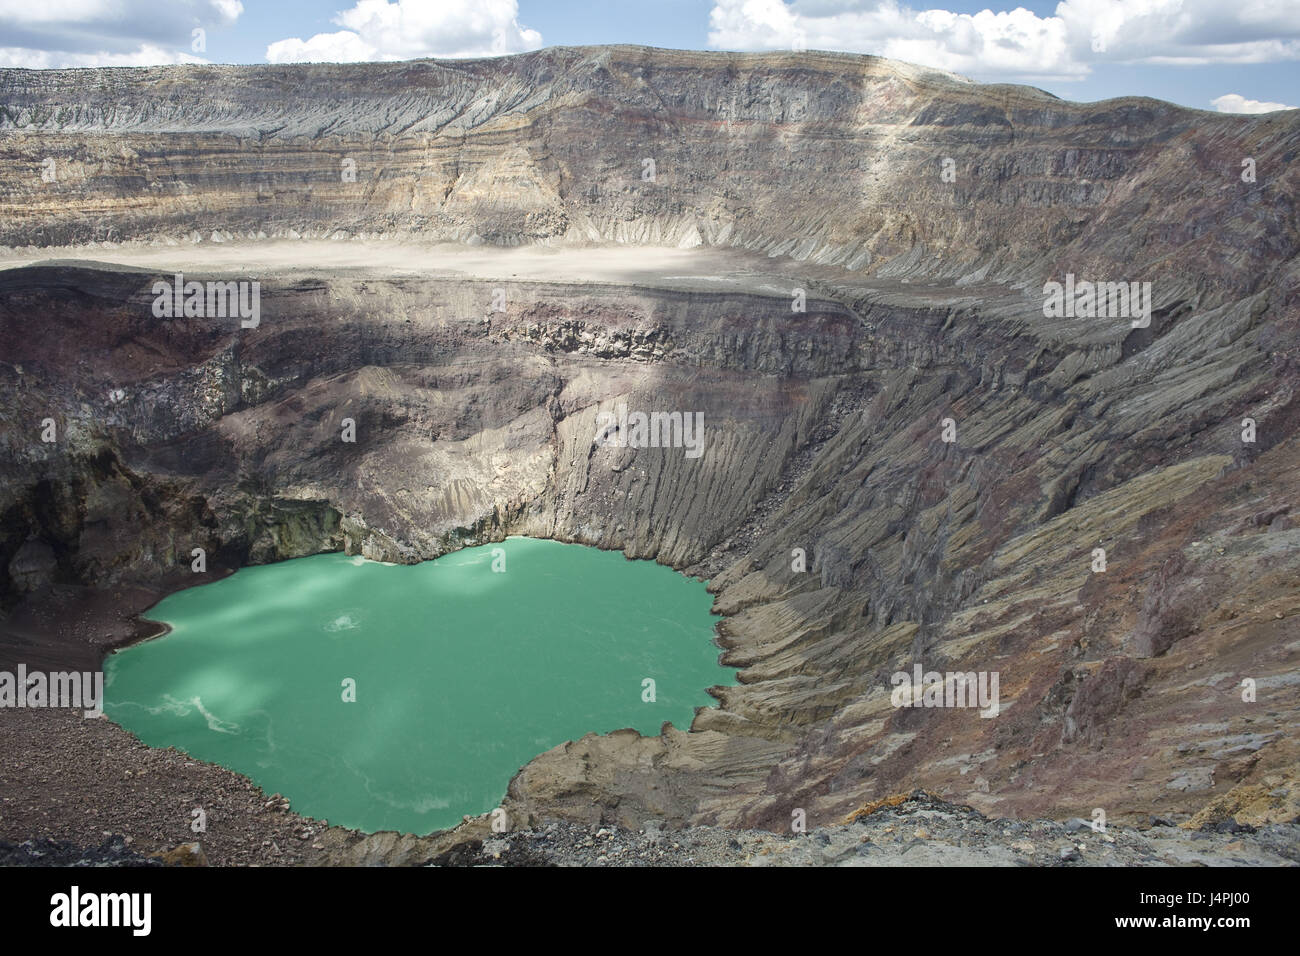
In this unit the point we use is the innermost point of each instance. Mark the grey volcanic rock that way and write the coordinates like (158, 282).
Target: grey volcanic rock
(112, 852)
(918, 831)
(824, 427)
(827, 158)
(33, 566)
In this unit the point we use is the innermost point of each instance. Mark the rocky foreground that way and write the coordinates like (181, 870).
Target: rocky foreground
(904, 831)
(918, 830)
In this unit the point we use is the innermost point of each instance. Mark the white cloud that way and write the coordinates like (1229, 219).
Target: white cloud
(1082, 34)
(55, 11)
(12, 56)
(1235, 103)
(229, 9)
(985, 42)
(406, 29)
(342, 47)
(71, 12)
(52, 34)
(1187, 32)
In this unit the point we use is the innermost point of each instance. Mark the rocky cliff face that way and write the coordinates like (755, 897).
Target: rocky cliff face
(827, 158)
(847, 540)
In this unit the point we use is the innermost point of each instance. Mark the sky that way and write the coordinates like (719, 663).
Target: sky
(1228, 55)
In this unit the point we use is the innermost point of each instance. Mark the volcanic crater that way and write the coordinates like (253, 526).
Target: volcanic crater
(502, 267)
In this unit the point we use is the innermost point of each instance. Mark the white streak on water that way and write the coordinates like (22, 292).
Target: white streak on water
(214, 722)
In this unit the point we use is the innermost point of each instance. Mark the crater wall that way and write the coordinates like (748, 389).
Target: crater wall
(1121, 688)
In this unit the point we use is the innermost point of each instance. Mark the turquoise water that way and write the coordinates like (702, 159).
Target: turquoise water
(462, 673)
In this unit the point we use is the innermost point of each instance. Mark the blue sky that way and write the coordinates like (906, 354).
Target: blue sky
(1235, 55)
